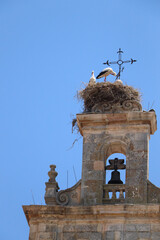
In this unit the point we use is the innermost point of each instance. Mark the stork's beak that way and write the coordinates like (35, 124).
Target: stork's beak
(114, 74)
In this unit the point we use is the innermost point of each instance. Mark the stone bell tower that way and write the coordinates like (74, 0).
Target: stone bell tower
(108, 133)
(112, 122)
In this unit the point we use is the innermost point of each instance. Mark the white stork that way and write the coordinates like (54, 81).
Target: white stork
(92, 80)
(105, 73)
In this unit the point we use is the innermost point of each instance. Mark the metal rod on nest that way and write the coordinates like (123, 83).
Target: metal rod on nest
(33, 198)
(74, 173)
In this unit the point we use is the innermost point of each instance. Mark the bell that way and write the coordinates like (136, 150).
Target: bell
(115, 178)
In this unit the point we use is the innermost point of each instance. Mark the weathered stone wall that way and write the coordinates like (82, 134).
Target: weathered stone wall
(137, 166)
(88, 232)
(93, 173)
(105, 134)
(114, 222)
(96, 149)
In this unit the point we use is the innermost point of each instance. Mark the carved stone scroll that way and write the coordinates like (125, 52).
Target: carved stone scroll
(128, 105)
(70, 196)
(62, 198)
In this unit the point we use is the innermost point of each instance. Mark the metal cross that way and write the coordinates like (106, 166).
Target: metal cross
(115, 164)
(120, 62)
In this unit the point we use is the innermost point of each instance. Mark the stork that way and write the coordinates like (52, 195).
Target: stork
(92, 80)
(105, 73)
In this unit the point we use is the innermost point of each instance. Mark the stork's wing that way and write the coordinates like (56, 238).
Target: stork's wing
(101, 73)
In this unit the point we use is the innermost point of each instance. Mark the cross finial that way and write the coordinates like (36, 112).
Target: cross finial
(120, 62)
(116, 164)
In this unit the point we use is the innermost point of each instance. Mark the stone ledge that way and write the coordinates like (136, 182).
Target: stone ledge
(128, 118)
(40, 212)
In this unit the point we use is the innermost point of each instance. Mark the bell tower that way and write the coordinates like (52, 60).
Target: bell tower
(112, 121)
(126, 132)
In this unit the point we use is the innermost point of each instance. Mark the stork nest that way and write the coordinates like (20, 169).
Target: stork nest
(106, 92)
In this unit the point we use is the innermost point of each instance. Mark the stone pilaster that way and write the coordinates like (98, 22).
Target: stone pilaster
(137, 167)
(92, 171)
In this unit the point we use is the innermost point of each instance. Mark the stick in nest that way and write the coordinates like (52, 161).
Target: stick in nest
(106, 92)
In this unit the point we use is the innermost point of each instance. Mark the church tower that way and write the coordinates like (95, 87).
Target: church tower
(113, 121)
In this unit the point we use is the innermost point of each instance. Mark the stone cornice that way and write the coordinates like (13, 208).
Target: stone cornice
(108, 119)
(37, 213)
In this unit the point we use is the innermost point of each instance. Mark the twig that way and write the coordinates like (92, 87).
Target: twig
(76, 140)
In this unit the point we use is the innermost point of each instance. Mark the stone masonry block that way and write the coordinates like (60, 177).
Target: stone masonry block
(51, 228)
(99, 165)
(155, 227)
(139, 136)
(118, 235)
(89, 236)
(69, 236)
(80, 228)
(136, 177)
(41, 227)
(86, 228)
(116, 227)
(109, 235)
(88, 149)
(130, 227)
(144, 235)
(141, 145)
(136, 194)
(89, 165)
(69, 228)
(98, 175)
(137, 227)
(143, 227)
(32, 236)
(137, 165)
(130, 236)
(33, 228)
(46, 236)
(155, 236)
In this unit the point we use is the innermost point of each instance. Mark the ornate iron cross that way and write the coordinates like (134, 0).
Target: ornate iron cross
(115, 164)
(120, 62)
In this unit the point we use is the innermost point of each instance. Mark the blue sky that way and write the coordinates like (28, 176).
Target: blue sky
(47, 49)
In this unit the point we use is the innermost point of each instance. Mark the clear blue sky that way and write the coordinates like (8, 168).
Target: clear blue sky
(47, 49)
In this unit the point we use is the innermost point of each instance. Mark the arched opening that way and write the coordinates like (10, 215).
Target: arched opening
(122, 171)
(115, 148)
(114, 190)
